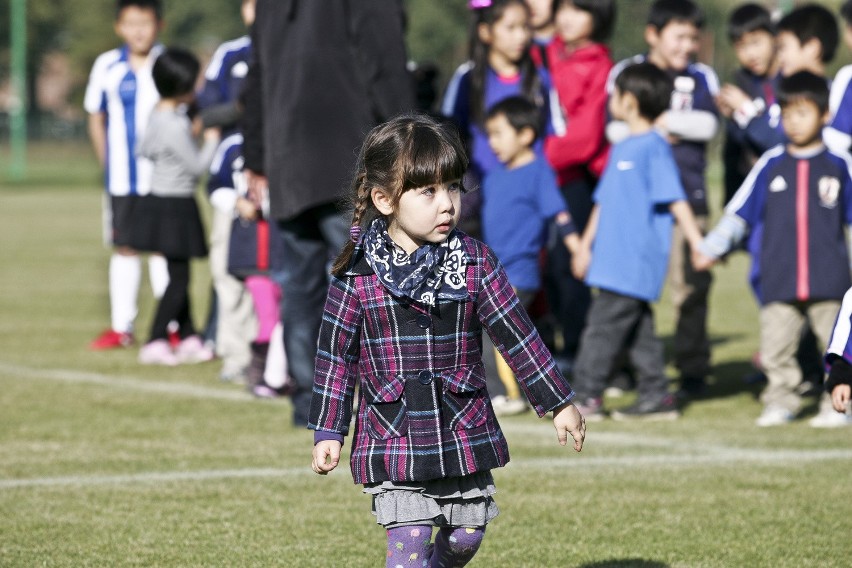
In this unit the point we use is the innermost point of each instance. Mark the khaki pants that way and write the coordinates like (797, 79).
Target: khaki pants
(237, 325)
(781, 326)
(689, 290)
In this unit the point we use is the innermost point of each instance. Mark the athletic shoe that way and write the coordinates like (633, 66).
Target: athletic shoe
(692, 387)
(192, 350)
(654, 410)
(504, 406)
(774, 416)
(830, 418)
(157, 352)
(591, 409)
(111, 339)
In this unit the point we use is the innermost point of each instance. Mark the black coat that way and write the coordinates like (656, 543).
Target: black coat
(323, 73)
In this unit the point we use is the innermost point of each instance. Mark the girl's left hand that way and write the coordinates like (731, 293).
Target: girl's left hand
(569, 422)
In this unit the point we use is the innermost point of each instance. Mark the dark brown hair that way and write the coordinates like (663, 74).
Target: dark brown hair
(407, 152)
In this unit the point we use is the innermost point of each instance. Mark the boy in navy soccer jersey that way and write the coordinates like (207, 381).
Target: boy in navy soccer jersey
(793, 209)
(119, 98)
(625, 250)
(752, 33)
(218, 103)
(672, 34)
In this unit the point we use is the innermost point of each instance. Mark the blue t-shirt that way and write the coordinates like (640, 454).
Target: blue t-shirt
(695, 89)
(630, 253)
(517, 205)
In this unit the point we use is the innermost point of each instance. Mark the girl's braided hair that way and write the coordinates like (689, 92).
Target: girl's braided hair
(412, 150)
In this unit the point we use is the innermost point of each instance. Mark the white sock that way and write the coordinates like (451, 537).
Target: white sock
(158, 274)
(124, 275)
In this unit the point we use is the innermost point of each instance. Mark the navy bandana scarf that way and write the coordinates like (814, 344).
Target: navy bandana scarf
(432, 272)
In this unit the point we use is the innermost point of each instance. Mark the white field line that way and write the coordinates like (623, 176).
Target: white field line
(716, 457)
(124, 383)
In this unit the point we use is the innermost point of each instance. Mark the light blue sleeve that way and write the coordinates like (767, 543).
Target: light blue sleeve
(662, 173)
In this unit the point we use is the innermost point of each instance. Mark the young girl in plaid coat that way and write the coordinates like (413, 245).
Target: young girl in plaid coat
(408, 300)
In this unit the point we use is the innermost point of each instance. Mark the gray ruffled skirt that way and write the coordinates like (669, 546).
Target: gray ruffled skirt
(464, 501)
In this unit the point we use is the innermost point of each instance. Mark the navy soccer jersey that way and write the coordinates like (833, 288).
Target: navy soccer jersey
(695, 89)
(227, 166)
(838, 135)
(224, 76)
(796, 208)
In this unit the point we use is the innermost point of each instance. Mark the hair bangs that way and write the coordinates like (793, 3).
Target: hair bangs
(431, 158)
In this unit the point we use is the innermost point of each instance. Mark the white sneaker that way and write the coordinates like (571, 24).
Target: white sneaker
(774, 416)
(830, 419)
(504, 406)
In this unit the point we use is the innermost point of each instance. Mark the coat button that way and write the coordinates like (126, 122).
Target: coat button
(423, 321)
(425, 377)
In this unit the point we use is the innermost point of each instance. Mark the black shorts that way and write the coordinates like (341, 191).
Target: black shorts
(122, 209)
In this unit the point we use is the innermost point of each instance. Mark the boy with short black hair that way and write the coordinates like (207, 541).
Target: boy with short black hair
(793, 209)
(752, 33)
(672, 33)
(119, 99)
(838, 134)
(625, 250)
(519, 200)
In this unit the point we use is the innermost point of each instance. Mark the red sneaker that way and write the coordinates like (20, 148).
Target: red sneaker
(111, 339)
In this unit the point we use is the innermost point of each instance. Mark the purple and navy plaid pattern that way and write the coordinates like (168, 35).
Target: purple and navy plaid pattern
(424, 412)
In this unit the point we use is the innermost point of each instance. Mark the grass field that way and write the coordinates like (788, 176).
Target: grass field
(107, 463)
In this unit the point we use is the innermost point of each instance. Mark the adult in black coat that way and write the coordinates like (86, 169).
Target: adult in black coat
(323, 73)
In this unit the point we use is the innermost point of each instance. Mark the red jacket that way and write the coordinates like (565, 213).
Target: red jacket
(579, 78)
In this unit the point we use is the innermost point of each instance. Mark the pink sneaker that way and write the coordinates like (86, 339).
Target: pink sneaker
(157, 352)
(192, 350)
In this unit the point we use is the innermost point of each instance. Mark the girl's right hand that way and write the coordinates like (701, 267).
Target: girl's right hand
(326, 456)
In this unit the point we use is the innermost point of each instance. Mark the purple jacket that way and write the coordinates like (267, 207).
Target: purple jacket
(424, 412)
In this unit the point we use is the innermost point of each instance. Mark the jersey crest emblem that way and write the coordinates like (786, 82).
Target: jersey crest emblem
(829, 191)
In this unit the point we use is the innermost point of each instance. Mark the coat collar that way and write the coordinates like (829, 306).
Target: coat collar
(359, 266)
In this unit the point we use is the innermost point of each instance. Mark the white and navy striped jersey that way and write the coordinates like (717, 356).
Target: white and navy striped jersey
(127, 99)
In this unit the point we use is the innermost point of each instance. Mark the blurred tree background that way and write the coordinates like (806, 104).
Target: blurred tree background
(71, 33)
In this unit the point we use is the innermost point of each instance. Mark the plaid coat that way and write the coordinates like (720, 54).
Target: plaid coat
(424, 412)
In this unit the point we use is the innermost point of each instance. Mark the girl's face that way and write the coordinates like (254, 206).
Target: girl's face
(422, 215)
(508, 37)
(574, 26)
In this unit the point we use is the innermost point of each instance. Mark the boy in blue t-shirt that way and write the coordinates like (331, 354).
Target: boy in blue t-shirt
(120, 96)
(625, 250)
(793, 209)
(690, 121)
(519, 200)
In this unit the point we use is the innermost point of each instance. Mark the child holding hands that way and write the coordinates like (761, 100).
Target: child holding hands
(625, 250)
(794, 206)
(408, 300)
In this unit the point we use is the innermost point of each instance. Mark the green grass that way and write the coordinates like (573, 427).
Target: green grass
(107, 463)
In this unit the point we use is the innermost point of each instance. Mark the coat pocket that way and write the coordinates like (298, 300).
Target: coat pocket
(464, 403)
(386, 415)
